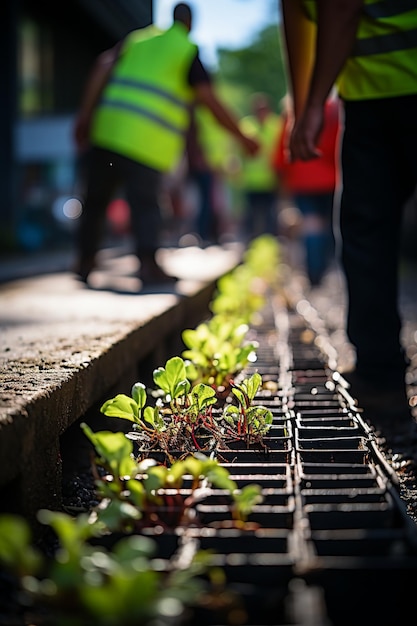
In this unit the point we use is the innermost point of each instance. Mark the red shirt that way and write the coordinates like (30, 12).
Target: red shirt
(319, 175)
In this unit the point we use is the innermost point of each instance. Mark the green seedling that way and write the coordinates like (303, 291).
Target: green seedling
(17, 555)
(146, 493)
(263, 260)
(216, 351)
(84, 583)
(182, 412)
(238, 295)
(134, 409)
(241, 293)
(249, 422)
(243, 502)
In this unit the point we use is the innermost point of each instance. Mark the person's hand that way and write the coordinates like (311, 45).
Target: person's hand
(251, 146)
(305, 134)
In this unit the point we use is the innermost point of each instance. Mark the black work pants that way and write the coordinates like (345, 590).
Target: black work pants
(105, 173)
(379, 169)
(261, 214)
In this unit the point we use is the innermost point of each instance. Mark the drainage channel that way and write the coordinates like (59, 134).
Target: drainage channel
(332, 544)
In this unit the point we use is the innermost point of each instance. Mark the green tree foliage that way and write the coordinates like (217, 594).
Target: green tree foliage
(259, 67)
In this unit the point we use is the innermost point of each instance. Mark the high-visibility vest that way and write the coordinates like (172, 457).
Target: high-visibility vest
(383, 62)
(214, 138)
(144, 113)
(257, 173)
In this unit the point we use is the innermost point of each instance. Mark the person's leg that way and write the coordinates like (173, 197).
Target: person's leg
(324, 208)
(317, 235)
(205, 215)
(270, 213)
(371, 209)
(262, 214)
(248, 218)
(102, 179)
(143, 185)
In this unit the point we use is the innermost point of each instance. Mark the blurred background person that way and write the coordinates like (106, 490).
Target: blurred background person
(201, 174)
(257, 177)
(195, 195)
(133, 118)
(311, 187)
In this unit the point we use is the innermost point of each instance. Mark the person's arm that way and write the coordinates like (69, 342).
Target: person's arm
(206, 95)
(299, 35)
(97, 80)
(337, 24)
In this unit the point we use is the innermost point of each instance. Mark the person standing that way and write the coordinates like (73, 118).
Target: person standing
(133, 118)
(200, 173)
(257, 177)
(311, 186)
(369, 49)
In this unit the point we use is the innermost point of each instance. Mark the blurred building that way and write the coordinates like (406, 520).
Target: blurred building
(47, 50)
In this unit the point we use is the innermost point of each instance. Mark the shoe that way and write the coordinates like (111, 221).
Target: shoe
(151, 274)
(376, 395)
(82, 270)
(398, 434)
(385, 407)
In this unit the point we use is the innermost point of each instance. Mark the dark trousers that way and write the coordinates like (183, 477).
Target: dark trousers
(261, 214)
(206, 219)
(318, 239)
(379, 167)
(105, 173)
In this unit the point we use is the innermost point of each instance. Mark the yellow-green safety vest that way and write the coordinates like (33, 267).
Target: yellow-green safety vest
(383, 62)
(257, 173)
(144, 110)
(214, 138)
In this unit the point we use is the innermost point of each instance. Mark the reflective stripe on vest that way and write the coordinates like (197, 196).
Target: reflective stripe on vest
(383, 62)
(141, 86)
(144, 110)
(135, 108)
(385, 43)
(388, 8)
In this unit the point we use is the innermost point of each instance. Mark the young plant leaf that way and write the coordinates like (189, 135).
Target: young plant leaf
(115, 449)
(139, 394)
(121, 406)
(172, 378)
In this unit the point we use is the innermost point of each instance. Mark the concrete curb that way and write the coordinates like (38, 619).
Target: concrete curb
(65, 348)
